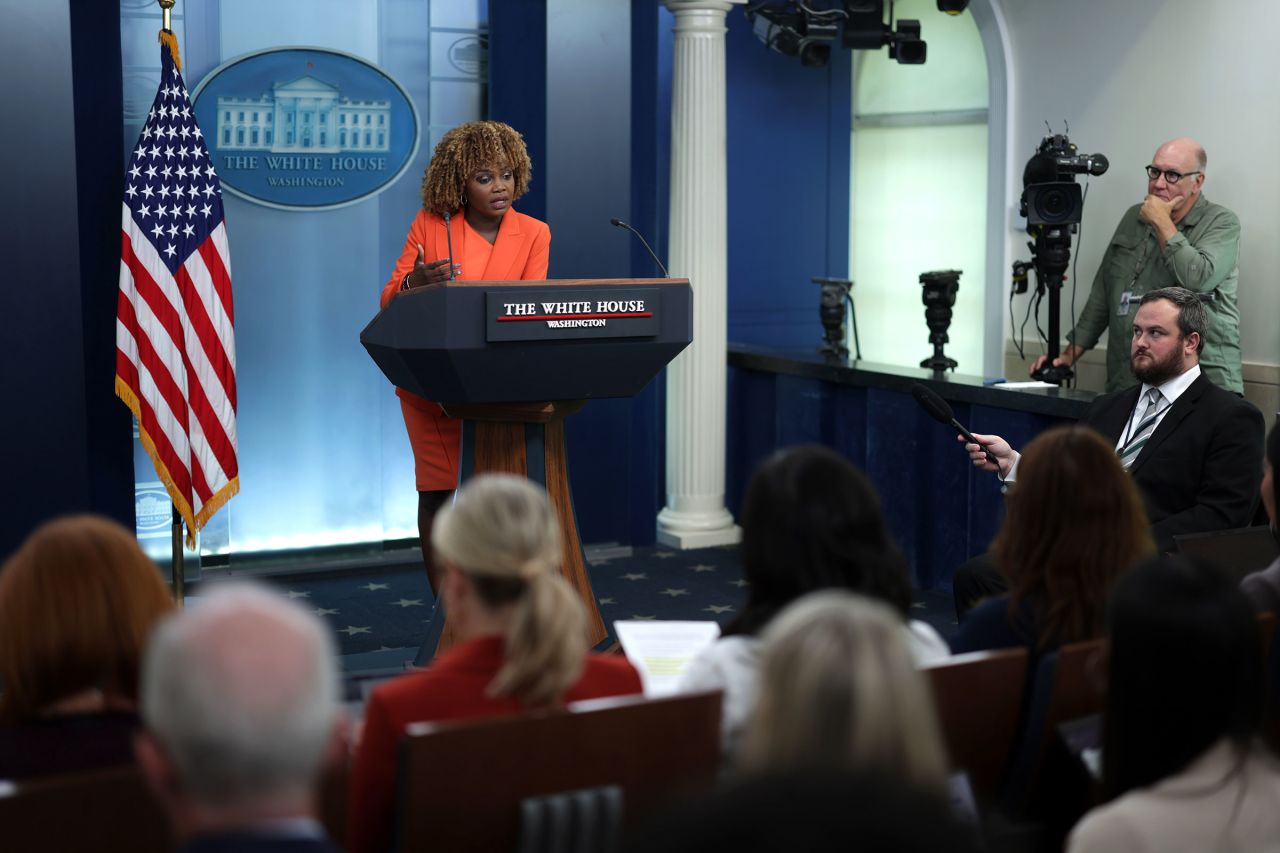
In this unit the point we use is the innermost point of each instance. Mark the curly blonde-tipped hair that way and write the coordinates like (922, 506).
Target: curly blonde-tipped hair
(467, 149)
(503, 535)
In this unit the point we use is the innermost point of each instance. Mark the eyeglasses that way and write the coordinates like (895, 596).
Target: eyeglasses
(1170, 176)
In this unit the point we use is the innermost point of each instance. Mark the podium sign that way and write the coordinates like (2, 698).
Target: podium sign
(435, 341)
(582, 312)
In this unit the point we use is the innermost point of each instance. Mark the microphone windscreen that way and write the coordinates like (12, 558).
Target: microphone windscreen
(618, 222)
(937, 407)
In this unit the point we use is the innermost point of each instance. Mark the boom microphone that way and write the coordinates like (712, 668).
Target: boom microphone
(620, 224)
(938, 409)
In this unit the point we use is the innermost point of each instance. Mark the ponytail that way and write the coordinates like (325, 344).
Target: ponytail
(502, 533)
(546, 644)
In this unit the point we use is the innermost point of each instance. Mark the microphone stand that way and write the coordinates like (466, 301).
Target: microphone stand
(448, 237)
(620, 224)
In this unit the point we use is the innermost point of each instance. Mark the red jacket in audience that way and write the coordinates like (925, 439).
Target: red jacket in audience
(453, 688)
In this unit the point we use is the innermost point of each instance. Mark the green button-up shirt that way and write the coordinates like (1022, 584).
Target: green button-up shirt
(1200, 257)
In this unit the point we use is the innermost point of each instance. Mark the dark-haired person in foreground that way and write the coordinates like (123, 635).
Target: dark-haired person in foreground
(240, 701)
(810, 520)
(1193, 449)
(1182, 758)
(1263, 587)
(809, 810)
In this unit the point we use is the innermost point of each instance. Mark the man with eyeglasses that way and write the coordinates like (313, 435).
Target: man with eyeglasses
(1174, 238)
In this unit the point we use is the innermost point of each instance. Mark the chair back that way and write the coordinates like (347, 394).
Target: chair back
(462, 784)
(1064, 687)
(978, 697)
(101, 810)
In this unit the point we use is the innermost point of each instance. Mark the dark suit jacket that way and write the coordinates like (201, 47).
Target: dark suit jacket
(1201, 469)
(248, 842)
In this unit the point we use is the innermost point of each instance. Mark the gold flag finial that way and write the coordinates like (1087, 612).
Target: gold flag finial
(167, 36)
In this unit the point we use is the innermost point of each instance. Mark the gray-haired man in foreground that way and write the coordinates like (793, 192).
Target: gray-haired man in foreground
(239, 701)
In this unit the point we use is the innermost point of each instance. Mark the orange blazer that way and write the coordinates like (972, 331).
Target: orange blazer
(520, 252)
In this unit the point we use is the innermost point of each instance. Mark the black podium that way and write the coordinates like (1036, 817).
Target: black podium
(513, 359)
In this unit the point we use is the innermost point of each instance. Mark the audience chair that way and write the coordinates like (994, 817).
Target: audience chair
(1066, 685)
(979, 698)
(102, 810)
(465, 785)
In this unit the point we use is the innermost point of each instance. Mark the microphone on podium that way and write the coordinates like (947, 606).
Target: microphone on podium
(448, 237)
(620, 224)
(938, 409)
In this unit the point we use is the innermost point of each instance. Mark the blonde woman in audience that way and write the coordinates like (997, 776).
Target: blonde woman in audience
(1182, 756)
(78, 601)
(521, 631)
(810, 520)
(839, 689)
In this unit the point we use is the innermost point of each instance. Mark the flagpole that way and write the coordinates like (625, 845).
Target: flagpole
(155, 312)
(179, 569)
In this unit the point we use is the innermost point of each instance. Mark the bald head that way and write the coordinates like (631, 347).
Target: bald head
(1187, 149)
(241, 691)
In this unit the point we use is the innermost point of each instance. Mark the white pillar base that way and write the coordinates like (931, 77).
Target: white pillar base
(688, 530)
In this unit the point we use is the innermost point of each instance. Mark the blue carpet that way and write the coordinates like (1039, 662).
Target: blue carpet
(383, 608)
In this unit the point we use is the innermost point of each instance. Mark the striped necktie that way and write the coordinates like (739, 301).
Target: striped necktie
(1155, 406)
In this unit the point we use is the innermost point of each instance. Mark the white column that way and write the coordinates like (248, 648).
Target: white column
(695, 515)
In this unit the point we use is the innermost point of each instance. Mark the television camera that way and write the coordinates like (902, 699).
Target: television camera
(1053, 205)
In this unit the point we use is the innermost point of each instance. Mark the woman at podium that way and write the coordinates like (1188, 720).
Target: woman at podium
(466, 230)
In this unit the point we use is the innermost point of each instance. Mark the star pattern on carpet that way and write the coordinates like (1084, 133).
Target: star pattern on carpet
(376, 613)
(702, 567)
(674, 593)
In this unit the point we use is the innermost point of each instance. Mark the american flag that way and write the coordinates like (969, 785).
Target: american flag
(175, 338)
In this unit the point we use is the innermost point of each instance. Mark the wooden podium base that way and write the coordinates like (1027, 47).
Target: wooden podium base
(527, 439)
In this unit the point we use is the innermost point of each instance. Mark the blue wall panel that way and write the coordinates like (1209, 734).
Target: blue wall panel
(752, 432)
(803, 411)
(895, 439)
(788, 164)
(849, 424)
